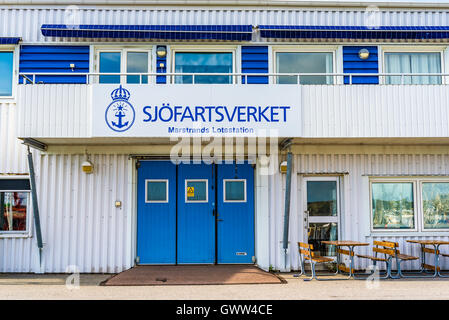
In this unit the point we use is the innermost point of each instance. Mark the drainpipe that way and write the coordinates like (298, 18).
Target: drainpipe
(37, 222)
(288, 185)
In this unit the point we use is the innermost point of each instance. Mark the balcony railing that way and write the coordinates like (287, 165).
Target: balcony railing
(237, 78)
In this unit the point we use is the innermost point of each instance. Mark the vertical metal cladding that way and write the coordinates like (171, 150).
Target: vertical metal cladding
(26, 22)
(80, 224)
(354, 170)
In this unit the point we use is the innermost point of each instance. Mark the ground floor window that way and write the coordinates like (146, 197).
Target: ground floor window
(412, 204)
(14, 205)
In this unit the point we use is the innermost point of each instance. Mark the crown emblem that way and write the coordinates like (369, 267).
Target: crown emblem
(120, 94)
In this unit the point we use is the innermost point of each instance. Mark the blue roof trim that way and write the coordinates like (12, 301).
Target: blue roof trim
(10, 40)
(172, 32)
(354, 32)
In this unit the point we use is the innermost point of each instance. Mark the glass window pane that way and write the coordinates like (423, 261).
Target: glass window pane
(203, 62)
(435, 197)
(6, 67)
(196, 191)
(137, 62)
(393, 206)
(323, 232)
(416, 62)
(304, 62)
(235, 190)
(157, 191)
(110, 62)
(13, 211)
(322, 198)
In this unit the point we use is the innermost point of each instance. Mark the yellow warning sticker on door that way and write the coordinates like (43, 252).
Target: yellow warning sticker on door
(190, 192)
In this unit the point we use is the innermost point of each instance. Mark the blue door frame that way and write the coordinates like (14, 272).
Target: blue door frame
(197, 224)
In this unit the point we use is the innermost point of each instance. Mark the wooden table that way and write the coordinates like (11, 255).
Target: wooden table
(436, 251)
(350, 245)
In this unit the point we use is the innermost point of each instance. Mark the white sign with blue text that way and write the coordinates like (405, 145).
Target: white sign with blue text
(135, 110)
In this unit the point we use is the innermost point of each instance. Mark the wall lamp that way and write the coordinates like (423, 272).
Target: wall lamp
(87, 165)
(363, 54)
(33, 143)
(161, 51)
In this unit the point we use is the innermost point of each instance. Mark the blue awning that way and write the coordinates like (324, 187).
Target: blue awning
(355, 32)
(169, 32)
(9, 40)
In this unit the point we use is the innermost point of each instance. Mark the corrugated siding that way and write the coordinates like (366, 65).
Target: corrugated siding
(80, 224)
(255, 60)
(26, 22)
(354, 215)
(353, 64)
(375, 111)
(56, 59)
(12, 152)
(57, 110)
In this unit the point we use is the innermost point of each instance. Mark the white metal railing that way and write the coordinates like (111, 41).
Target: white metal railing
(330, 78)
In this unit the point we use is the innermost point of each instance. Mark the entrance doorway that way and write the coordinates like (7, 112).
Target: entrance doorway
(195, 213)
(321, 212)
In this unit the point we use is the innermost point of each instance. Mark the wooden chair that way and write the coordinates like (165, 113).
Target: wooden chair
(391, 253)
(306, 253)
(382, 252)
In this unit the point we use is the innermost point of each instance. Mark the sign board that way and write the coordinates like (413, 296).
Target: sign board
(135, 110)
(190, 192)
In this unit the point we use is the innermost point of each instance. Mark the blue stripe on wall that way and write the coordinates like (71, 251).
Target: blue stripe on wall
(255, 60)
(353, 64)
(44, 59)
(161, 67)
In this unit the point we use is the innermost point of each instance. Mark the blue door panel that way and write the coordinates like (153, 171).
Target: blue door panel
(196, 220)
(156, 222)
(235, 226)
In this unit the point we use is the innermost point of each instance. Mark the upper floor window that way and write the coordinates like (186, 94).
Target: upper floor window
(203, 62)
(123, 61)
(304, 62)
(6, 78)
(413, 62)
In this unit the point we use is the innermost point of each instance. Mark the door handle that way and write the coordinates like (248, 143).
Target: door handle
(220, 220)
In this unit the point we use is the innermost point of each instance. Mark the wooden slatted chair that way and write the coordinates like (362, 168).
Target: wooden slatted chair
(306, 253)
(382, 252)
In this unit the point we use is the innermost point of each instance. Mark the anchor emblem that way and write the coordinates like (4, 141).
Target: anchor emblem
(120, 114)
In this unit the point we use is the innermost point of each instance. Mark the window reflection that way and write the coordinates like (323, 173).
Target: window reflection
(6, 63)
(137, 62)
(323, 232)
(203, 62)
(322, 198)
(435, 205)
(110, 62)
(393, 206)
(304, 62)
(13, 211)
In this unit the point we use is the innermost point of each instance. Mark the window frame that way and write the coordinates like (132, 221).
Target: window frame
(123, 61)
(410, 49)
(14, 50)
(20, 233)
(306, 49)
(166, 190)
(196, 201)
(235, 201)
(421, 182)
(418, 203)
(203, 49)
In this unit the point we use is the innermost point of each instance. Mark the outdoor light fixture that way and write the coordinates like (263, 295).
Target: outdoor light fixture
(72, 66)
(161, 51)
(283, 167)
(363, 54)
(35, 144)
(87, 165)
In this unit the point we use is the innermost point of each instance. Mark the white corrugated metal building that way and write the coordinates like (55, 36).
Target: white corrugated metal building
(347, 137)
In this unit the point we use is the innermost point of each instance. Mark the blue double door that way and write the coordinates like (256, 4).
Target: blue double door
(195, 213)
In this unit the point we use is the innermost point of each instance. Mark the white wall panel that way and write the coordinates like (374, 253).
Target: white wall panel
(80, 224)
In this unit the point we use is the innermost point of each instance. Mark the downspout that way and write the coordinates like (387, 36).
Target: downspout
(288, 184)
(37, 222)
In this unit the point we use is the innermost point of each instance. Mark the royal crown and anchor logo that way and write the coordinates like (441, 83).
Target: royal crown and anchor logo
(120, 114)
